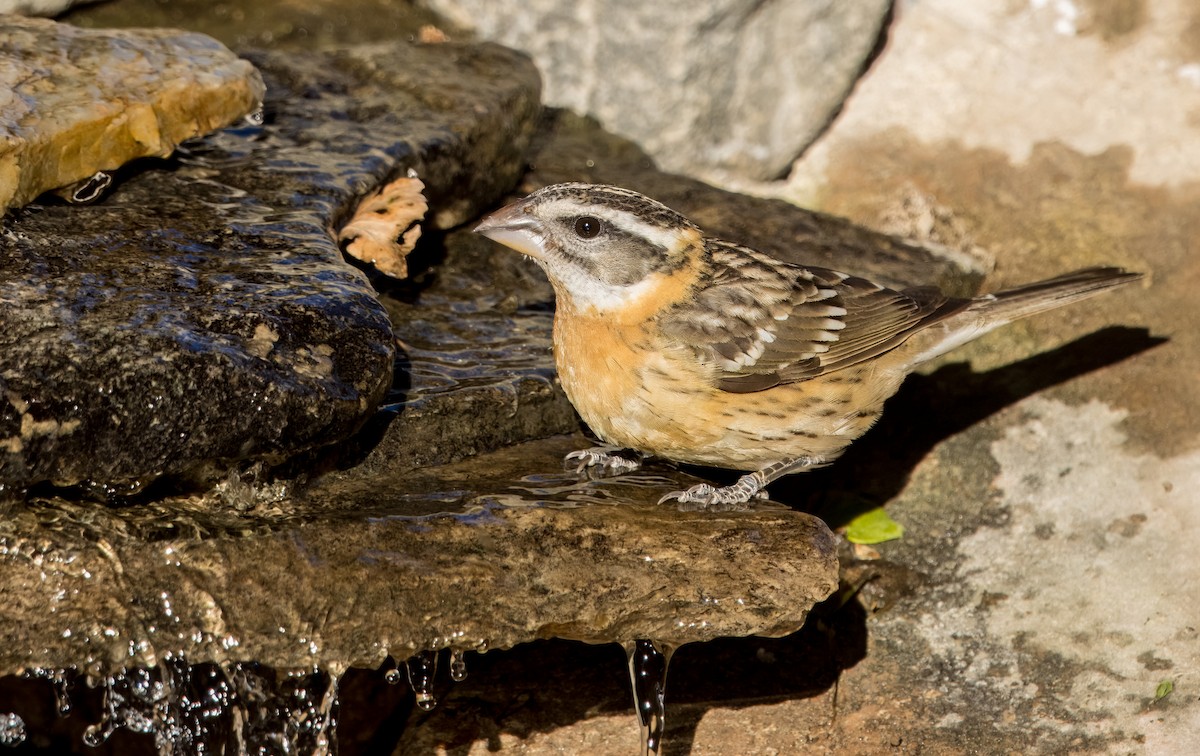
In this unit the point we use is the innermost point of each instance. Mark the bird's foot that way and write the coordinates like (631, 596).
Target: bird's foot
(605, 460)
(705, 497)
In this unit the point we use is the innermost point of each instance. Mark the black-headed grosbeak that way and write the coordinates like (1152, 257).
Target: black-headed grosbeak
(675, 344)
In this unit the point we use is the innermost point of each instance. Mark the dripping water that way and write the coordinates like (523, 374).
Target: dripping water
(458, 665)
(648, 662)
(230, 707)
(110, 720)
(58, 681)
(422, 671)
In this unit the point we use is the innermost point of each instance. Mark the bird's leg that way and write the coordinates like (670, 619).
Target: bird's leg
(747, 487)
(611, 460)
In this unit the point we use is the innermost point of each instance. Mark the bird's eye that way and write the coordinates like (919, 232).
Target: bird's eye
(587, 227)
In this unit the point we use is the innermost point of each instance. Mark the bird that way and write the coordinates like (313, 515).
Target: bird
(674, 344)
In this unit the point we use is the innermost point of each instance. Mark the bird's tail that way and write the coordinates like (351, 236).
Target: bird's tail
(989, 312)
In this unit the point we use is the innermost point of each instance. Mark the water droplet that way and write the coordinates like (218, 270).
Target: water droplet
(90, 189)
(458, 665)
(648, 662)
(391, 675)
(426, 701)
(422, 670)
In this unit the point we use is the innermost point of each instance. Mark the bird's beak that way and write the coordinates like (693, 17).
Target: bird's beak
(514, 227)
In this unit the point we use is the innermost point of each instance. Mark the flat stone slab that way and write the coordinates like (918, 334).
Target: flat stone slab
(77, 101)
(345, 575)
(202, 313)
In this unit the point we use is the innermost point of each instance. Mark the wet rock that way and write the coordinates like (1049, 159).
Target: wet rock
(738, 86)
(202, 312)
(78, 102)
(476, 367)
(346, 575)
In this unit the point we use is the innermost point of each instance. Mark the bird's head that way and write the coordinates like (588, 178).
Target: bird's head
(603, 247)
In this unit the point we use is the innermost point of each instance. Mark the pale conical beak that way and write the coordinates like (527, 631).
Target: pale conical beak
(515, 228)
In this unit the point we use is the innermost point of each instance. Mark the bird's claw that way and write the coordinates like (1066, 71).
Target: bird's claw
(705, 497)
(607, 461)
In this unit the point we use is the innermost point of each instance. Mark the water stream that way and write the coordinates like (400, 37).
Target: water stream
(648, 662)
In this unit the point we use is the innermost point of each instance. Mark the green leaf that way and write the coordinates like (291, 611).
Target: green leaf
(875, 526)
(1163, 690)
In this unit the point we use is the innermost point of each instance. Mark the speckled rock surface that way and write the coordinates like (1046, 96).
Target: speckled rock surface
(75, 101)
(202, 312)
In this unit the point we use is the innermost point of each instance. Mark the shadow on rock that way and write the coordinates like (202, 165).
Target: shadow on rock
(931, 408)
(740, 672)
(548, 685)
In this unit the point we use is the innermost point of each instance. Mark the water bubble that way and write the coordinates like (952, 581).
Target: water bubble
(326, 719)
(274, 712)
(422, 670)
(648, 662)
(458, 665)
(207, 708)
(12, 730)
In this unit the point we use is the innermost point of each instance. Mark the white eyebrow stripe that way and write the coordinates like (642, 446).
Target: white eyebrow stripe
(666, 238)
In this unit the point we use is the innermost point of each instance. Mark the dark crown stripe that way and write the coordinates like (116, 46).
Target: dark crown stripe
(640, 206)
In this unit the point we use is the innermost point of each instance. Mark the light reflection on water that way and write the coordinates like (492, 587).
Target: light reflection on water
(501, 479)
(559, 492)
(453, 343)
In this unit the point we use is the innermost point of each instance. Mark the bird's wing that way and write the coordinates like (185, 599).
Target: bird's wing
(761, 322)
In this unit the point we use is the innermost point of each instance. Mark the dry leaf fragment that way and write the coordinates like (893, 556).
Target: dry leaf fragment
(431, 35)
(386, 225)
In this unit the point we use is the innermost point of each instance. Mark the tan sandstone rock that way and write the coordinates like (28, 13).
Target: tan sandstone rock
(75, 102)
